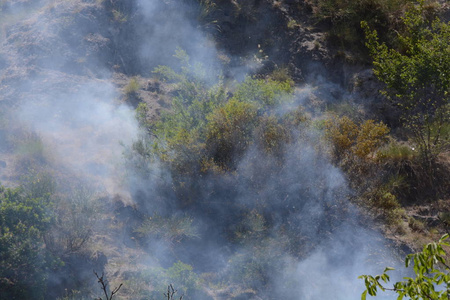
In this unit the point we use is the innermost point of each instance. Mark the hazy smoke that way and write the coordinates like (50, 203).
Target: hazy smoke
(75, 109)
(84, 129)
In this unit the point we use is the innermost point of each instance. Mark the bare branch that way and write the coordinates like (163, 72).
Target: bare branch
(171, 292)
(104, 285)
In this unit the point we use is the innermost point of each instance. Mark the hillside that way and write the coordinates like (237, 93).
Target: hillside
(235, 149)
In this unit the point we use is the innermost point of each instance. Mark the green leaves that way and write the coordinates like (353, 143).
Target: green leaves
(207, 127)
(373, 283)
(229, 131)
(417, 83)
(431, 272)
(263, 93)
(25, 216)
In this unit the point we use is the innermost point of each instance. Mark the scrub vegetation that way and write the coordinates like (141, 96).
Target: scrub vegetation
(191, 149)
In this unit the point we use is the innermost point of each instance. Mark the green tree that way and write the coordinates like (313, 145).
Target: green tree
(417, 78)
(432, 276)
(25, 217)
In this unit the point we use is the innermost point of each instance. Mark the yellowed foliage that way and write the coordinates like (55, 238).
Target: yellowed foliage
(359, 140)
(370, 136)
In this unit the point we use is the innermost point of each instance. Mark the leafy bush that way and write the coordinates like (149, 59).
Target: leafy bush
(132, 87)
(372, 168)
(416, 225)
(342, 134)
(24, 260)
(387, 202)
(282, 75)
(38, 185)
(348, 138)
(207, 129)
(396, 153)
(430, 280)
(229, 131)
(417, 79)
(142, 112)
(370, 137)
(265, 94)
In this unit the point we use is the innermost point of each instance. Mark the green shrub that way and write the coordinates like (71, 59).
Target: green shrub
(387, 202)
(394, 218)
(296, 118)
(265, 94)
(29, 149)
(183, 276)
(209, 129)
(132, 87)
(229, 131)
(282, 75)
(24, 259)
(252, 227)
(142, 112)
(204, 126)
(396, 153)
(416, 225)
(292, 24)
(38, 185)
(416, 79)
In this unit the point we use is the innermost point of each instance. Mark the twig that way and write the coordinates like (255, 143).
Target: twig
(171, 292)
(104, 285)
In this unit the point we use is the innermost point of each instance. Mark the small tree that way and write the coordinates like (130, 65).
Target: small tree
(432, 276)
(417, 79)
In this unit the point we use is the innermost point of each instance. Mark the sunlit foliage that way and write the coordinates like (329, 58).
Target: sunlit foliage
(431, 276)
(417, 78)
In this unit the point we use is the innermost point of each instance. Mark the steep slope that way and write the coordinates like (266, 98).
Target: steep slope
(224, 184)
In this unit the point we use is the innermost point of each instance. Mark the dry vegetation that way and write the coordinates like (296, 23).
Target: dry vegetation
(218, 140)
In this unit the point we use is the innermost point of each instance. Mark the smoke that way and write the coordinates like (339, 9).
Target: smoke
(162, 38)
(332, 270)
(65, 92)
(84, 130)
(62, 92)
